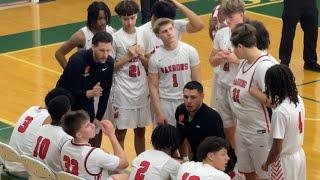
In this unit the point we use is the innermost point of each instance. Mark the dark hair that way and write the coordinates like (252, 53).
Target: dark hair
(104, 37)
(73, 120)
(244, 34)
(262, 35)
(211, 144)
(56, 92)
(165, 137)
(194, 85)
(126, 8)
(230, 7)
(280, 84)
(57, 107)
(93, 13)
(163, 9)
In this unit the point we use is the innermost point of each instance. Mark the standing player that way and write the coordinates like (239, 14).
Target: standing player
(98, 20)
(253, 121)
(212, 152)
(157, 163)
(24, 134)
(131, 94)
(167, 9)
(222, 56)
(286, 158)
(79, 158)
(51, 137)
(170, 68)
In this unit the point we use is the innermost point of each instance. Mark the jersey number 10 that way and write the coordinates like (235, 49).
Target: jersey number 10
(42, 147)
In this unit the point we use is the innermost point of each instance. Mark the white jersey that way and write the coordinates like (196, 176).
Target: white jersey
(152, 42)
(89, 35)
(48, 144)
(198, 170)
(131, 89)
(24, 134)
(174, 69)
(288, 124)
(86, 161)
(154, 165)
(252, 116)
(227, 71)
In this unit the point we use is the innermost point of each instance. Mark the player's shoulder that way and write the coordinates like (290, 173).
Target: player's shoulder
(223, 31)
(186, 46)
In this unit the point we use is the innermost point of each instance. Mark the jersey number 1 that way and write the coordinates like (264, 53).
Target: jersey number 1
(236, 95)
(300, 125)
(174, 80)
(144, 165)
(42, 147)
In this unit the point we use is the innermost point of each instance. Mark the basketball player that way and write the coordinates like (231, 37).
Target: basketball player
(98, 19)
(25, 131)
(286, 159)
(167, 9)
(170, 68)
(131, 96)
(222, 56)
(212, 152)
(157, 163)
(51, 137)
(253, 121)
(79, 158)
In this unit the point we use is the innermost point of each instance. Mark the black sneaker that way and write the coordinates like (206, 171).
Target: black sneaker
(312, 67)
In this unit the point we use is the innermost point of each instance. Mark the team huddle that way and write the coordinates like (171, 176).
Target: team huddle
(137, 76)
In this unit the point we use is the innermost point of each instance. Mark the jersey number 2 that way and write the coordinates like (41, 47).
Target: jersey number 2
(186, 176)
(42, 147)
(23, 127)
(134, 71)
(144, 165)
(71, 165)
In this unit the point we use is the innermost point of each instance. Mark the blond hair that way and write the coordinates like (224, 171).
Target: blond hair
(161, 22)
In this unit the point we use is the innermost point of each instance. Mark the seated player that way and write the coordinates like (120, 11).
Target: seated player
(51, 137)
(24, 134)
(79, 158)
(213, 154)
(157, 163)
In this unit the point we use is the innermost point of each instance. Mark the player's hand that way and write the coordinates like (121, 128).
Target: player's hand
(97, 90)
(231, 57)
(254, 90)
(98, 125)
(162, 120)
(132, 51)
(108, 128)
(264, 166)
(139, 50)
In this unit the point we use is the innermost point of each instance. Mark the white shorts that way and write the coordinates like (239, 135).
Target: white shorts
(131, 118)
(224, 106)
(252, 153)
(109, 111)
(169, 107)
(291, 167)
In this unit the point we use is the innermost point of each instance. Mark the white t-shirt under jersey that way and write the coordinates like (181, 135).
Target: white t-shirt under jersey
(25, 132)
(131, 89)
(86, 161)
(48, 145)
(173, 68)
(288, 124)
(154, 165)
(152, 42)
(200, 171)
(252, 116)
(228, 71)
(89, 35)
